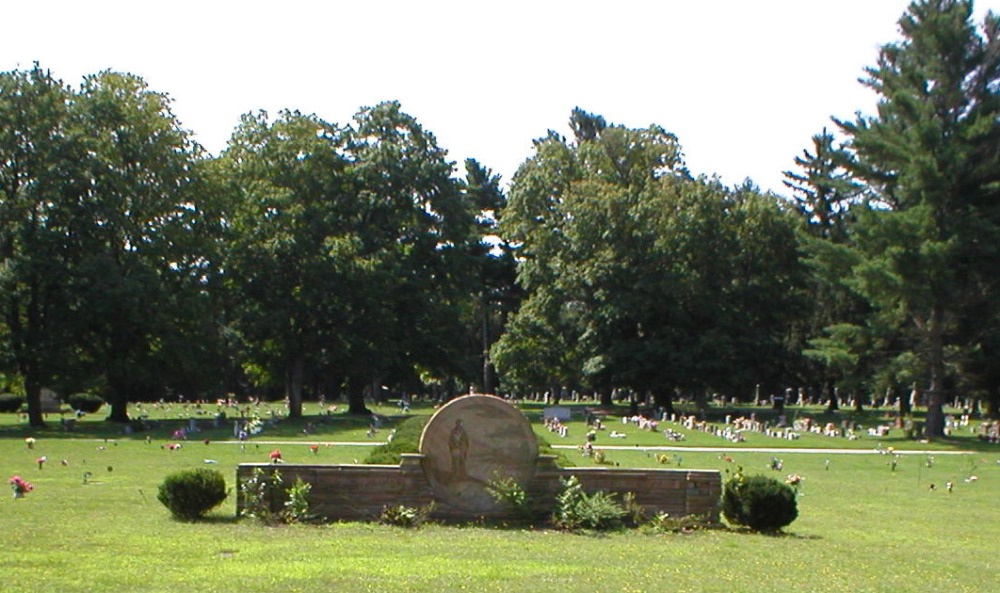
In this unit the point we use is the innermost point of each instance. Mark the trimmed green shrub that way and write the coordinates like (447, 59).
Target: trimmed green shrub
(10, 402)
(759, 502)
(405, 439)
(191, 493)
(87, 403)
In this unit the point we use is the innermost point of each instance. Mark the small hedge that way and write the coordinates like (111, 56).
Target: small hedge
(87, 403)
(406, 439)
(189, 494)
(545, 448)
(759, 502)
(10, 402)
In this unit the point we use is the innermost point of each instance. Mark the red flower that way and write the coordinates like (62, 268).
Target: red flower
(276, 455)
(20, 485)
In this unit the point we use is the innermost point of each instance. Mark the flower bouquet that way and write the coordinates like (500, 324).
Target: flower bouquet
(20, 486)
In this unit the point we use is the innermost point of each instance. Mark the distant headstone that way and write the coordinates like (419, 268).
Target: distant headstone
(50, 401)
(472, 441)
(562, 413)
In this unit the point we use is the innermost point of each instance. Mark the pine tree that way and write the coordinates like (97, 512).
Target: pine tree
(931, 157)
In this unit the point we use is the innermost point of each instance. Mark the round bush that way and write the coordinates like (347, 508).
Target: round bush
(189, 494)
(10, 402)
(87, 403)
(759, 502)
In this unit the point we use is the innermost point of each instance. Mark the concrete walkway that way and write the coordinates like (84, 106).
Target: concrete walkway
(775, 450)
(670, 448)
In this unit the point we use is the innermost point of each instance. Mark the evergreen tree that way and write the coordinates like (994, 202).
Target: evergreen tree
(931, 157)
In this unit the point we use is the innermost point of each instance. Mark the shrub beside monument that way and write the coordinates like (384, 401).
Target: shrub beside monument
(760, 503)
(190, 494)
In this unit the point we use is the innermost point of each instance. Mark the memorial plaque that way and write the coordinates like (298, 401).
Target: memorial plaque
(472, 441)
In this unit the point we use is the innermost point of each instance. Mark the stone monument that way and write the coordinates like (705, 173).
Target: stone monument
(472, 441)
(49, 400)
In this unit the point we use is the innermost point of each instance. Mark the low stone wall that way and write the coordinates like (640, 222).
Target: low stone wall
(360, 492)
(678, 493)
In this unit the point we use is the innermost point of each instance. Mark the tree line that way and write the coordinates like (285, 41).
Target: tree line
(311, 258)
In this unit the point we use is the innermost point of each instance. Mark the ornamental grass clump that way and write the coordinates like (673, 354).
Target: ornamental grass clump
(508, 493)
(190, 494)
(264, 498)
(760, 503)
(404, 516)
(577, 510)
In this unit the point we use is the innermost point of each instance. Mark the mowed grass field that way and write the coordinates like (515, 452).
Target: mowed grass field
(94, 524)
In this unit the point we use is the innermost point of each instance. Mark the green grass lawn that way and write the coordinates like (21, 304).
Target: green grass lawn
(862, 526)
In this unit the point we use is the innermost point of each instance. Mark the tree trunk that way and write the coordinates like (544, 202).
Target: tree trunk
(119, 407)
(489, 372)
(293, 385)
(606, 400)
(833, 403)
(935, 392)
(28, 354)
(554, 391)
(993, 411)
(33, 393)
(663, 398)
(904, 406)
(119, 385)
(356, 397)
(701, 402)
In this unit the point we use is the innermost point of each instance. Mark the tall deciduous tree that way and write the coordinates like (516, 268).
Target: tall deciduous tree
(39, 198)
(292, 261)
(638, 275)
(419, 226)
(352, 245)
(932, 155)
(137, 214)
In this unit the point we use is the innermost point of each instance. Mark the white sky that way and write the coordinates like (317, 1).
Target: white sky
(743, 84)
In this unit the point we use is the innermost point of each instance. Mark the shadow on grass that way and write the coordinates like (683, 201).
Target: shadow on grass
(308, 427)
(222, 519)
(779, 534)
(211, 520)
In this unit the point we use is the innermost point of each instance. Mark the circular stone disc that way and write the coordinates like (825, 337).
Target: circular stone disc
(474, 440)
